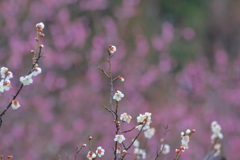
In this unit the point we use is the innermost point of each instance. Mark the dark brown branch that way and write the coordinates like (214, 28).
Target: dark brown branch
(128, 130)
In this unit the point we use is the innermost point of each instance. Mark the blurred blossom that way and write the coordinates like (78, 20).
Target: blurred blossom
(165, 148)
(93, 5)
(158, 43)
(188, 33)
(149, 133)
(167, 32)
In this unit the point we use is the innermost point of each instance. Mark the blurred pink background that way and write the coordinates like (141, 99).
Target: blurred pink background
(185, 70)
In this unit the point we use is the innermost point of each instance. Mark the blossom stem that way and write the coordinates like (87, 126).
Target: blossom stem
(20, 88)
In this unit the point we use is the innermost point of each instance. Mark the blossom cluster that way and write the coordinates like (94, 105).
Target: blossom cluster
(186, 138)
(140, 153)
(99, 153)
(144, 120)
(26, 80)
(216, 129)
(5, 83)
(125, 117)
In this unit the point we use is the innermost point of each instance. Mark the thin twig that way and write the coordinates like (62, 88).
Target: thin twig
(161, 149)
(103, 71)
(20, 88)
(128, 130)
(116, 78)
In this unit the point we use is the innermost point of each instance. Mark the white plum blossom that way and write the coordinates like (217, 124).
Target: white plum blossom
(91, 155)
(26, 80)
(36, 71)
(112, 49)
(136, 151)
(136, 143)
(188, 131)
(165, 148)
(149, 133)
(100, 151)
(6, 84)
(142, 119)
(141, 153)
(119, 138)
(185, 141)
(3, 71)
(15, 104)
(40, 25)
(216, 129)
(118, 96)
(125, 118)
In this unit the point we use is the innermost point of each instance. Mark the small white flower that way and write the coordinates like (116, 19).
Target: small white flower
(182, 134)
(15, 104)
(216, 128)
(136, 143)
(91, 155)
(149, 133)
(142, 153)
(40, 25)
(165, 148)
(216, 136)
(119, 138)
(136, 151)
(188, 131)
(139, 127)
(36, 71)
(100, 151)
(3, 72)
(112, 49)
(7, 75)
(118, 96)
(125, 118)
(185, 140)
(6, 84)
(26, 80)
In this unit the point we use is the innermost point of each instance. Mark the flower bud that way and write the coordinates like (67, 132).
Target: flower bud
(177, 151)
